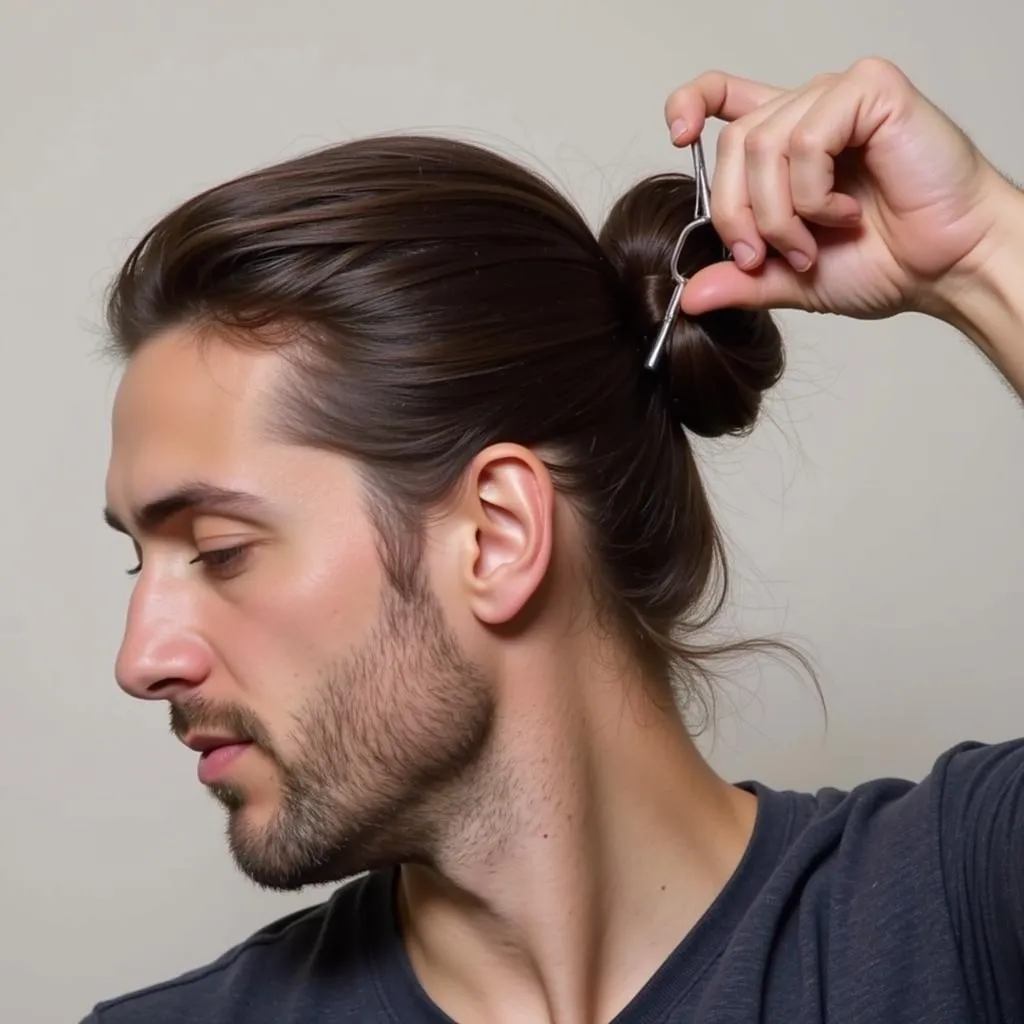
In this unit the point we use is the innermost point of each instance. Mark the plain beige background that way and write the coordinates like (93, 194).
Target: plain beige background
(876, 516)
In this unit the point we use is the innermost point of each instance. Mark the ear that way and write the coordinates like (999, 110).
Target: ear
(509, 505)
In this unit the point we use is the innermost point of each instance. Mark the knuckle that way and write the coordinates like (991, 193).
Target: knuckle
(779, 229)
(728, 219)
(877, 69)
(759, 143)
(806, 197)
(806, 205)
(712, 79)
(694, 92)
(805, 142)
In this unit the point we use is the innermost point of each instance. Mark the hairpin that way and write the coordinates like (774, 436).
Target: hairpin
(701, 218)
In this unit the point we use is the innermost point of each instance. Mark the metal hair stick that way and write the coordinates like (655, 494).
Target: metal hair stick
(701, 218)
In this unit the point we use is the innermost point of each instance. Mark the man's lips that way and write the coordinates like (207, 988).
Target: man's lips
(216, 754)
(201, 742)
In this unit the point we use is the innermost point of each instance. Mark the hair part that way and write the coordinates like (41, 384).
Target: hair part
(433, 298)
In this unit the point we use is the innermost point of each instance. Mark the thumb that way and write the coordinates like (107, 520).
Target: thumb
(772, 285)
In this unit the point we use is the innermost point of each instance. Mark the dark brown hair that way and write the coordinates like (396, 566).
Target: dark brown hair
(433, 298)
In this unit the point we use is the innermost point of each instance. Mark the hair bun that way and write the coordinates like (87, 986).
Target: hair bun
(716, 366)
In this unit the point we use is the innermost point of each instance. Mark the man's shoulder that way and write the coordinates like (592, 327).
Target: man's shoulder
(966, 772)
(892, 833)
(254, 981)
(954, 775)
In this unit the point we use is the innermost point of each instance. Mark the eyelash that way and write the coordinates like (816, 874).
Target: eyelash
(213, 561)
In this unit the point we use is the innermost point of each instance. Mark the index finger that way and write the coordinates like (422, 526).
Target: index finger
(713, 94)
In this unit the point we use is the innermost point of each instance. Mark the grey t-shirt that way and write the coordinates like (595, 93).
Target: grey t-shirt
(894, 903)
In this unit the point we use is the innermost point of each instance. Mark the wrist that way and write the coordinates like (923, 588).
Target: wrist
(983, 296)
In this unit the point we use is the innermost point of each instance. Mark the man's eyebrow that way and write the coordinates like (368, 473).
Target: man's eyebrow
(191, 497)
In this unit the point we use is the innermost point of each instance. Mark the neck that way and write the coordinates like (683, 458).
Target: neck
(599, 838)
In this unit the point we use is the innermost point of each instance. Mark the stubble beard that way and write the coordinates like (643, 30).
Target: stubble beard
(393, 755)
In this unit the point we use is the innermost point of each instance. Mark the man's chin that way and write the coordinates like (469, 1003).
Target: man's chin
(231, 797)
(255, 825)
(288, 841)
(277, 870)
(251, 809)
(269, 852)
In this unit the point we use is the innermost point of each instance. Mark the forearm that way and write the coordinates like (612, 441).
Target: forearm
(985, 298)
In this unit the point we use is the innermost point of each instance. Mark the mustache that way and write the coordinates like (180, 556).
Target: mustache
(198, 714)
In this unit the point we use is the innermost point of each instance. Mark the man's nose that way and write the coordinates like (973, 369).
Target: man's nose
(162, 655)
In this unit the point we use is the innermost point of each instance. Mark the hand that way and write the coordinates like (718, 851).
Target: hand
(870, 197)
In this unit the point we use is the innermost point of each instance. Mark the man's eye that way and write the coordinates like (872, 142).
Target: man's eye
(219, 560)
(222, 560)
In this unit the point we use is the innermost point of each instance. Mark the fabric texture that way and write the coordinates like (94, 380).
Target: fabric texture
(893, 903)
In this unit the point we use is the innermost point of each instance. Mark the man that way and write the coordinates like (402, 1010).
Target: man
(467, 704)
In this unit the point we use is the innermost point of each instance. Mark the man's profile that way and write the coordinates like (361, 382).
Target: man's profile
(425, 573)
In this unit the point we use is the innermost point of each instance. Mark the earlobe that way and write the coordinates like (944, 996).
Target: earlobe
(513, 507)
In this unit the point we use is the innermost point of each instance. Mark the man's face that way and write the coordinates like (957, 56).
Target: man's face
(268, 620)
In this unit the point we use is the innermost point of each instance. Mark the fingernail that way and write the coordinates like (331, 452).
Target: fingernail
(800, 261)
(677, 129)
(743, 254)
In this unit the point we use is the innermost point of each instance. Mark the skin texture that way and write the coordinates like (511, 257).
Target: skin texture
(559, 831)
(360, 703)
(485, 731)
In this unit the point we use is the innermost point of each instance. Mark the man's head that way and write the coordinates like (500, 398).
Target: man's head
(384, 417)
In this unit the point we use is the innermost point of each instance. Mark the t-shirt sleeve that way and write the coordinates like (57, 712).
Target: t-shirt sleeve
(981, 834)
